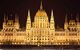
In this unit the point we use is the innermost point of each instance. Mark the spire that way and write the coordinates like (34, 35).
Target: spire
(11, 15)
(77, 17)
(4, 23)
(41, 7)
(71, 16)
(28, 24)
(78, 23)
(66, 23)
(28, 12)
(52, 16)
(7, 18)
(4, 18)
(28, 17)
(52, 24)
(16, 18)
(51, 12)
(16, 21)
(66, 18)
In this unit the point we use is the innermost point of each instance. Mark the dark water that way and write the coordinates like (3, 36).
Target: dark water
(42, 49)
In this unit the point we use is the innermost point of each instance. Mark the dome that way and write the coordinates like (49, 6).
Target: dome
(41, 13)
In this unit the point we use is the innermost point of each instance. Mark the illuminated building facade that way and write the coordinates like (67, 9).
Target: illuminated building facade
(41, 31)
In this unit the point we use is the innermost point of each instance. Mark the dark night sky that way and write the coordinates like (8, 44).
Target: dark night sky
(20, 7)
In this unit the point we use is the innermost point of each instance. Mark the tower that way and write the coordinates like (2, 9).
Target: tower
(66, 23)
(28, 24)
(16, 22)
(41, 18)
(72, 24)
(52, 24)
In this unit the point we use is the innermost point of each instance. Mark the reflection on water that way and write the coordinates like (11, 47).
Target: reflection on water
(42, 49)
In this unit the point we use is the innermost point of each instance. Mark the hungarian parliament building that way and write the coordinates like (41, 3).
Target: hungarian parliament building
(41, 31)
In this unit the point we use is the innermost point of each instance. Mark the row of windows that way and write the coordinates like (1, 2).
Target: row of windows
(73, 34)
(9, 29)
(38, 39)
(44, 32)
(21, 34)
(10, 34)
(37, 36)
(57, 34)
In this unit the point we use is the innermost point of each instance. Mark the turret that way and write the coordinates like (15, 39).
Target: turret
(52, 24)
